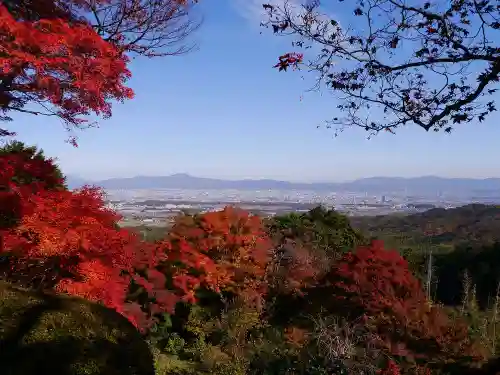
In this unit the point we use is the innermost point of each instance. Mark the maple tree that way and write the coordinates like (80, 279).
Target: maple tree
(144, 27)
(55, 239)
(376, 285)
(429, 63)
(31, 166)
(67, 241)
(224, 251)
(34, 10)
(68, 59)
(68, 70)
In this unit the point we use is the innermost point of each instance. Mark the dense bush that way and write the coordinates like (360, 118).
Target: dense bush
(377, 286)
(325, 231)
(55, 239)
(224, 292)
(229, 251)
(52, 334)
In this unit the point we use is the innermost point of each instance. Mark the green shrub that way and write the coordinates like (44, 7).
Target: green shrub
(52, 334)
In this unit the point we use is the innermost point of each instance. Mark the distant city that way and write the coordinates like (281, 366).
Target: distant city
(156, 200)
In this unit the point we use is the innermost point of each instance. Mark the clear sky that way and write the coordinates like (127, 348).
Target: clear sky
(223, 112)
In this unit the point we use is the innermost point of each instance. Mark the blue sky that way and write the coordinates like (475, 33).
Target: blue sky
(223, 112)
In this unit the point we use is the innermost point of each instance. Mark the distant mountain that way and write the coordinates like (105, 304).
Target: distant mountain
(372, 184)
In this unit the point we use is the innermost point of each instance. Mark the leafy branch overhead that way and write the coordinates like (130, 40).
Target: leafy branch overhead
(69, 59)
(433, 64)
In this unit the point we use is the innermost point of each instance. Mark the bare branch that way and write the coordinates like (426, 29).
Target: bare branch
(428, 63)
(145, 27)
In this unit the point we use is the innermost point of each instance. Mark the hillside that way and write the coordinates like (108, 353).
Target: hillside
(471, 224)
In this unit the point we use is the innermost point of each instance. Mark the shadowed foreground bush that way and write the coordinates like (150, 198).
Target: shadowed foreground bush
(49, 334)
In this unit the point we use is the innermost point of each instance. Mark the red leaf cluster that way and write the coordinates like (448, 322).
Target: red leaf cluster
(377, 285)
(23, 170)
(378, 279)
(291, 59)
(69, 241)
(226, 250)
(65, 63)
(20, 176)
(391, 369)
(63, 240)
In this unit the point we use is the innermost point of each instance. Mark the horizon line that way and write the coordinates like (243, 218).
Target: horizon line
(280, 180)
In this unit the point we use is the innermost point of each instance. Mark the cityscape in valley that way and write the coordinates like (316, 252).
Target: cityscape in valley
(247, 187)
(156, 200)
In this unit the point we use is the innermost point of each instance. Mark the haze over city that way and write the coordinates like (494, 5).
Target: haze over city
(223, 112)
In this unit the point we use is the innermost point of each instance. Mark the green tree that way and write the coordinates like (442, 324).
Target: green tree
(324, 230)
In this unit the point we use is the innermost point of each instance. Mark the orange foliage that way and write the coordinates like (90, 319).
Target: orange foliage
(63, 240)
(296, 336)
(69, 242)
(226, 250)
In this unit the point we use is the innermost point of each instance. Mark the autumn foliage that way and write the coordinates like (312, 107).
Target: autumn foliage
(376, 285)
(291, 59)
(66, 64)
(70, 242)
(68, 59)
(223, 251)
(56, 62)
(52, 238)
(408, 60)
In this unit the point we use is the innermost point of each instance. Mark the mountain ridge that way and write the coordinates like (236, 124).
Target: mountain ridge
(377, 183)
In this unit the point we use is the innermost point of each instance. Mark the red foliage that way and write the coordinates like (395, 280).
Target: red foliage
(20, 169)
(67, 241)
(65, 63)
(20, 176)
(391, 369)
(226, 250)
(292, 59)
(377, 285)
(33, 10)
(379, 280)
